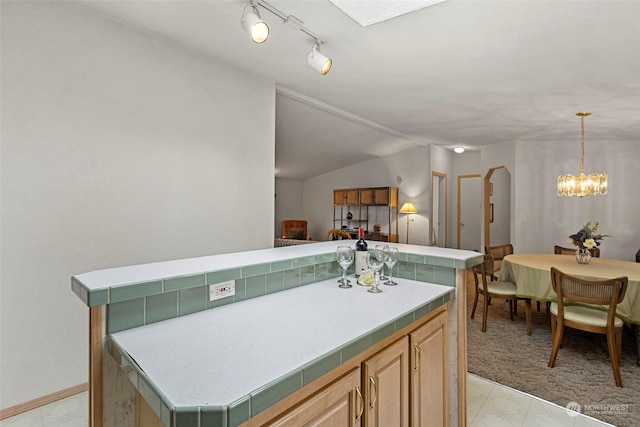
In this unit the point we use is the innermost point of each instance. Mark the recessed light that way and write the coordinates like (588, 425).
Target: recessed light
(459, 150)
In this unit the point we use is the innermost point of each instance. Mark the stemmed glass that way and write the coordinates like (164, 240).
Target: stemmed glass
(345, 256)
(390, 259)
(382, 248)
(375, 260)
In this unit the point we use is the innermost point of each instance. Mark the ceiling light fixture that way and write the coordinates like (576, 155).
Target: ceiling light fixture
(582, 185)
(253, 24)
(458, 149)
(316, 60)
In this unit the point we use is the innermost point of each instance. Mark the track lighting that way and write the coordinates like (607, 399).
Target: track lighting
(253, 24)
(259, 31)
(318, 61)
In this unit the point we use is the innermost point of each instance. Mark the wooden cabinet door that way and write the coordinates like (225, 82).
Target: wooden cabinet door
(366, 196)
(385, 383)
(381, 196)
(429, 374)
(339, 197)
(340, 404)
(352, 196)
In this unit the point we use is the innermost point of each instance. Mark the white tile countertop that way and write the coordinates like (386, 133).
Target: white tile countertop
(216, 357)
(103, 279)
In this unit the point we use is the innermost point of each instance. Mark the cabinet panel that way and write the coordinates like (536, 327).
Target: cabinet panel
(339, 405)
(352, 197)
(430, 374)
(339, 197)
(366, 196)
(385, 383)
(381, 196)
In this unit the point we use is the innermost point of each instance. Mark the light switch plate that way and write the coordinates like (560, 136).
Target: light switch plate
(222, 290)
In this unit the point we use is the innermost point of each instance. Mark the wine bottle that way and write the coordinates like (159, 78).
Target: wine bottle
(361, 253)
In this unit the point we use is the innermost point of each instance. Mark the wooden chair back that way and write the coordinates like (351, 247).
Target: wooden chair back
(598, 292)
(559, 250)
(337, 234)
(500, 251)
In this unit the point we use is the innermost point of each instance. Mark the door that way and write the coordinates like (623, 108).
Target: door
(469, 212)
(429, 374)
(338, 405)
(438, 209)
(385, 382)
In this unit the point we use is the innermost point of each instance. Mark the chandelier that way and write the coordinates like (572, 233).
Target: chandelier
(582, 185)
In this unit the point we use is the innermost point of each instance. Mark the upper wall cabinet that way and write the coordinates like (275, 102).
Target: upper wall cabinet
(384, 196)
(346, 196)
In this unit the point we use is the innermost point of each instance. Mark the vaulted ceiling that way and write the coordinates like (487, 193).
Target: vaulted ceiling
(459, 73)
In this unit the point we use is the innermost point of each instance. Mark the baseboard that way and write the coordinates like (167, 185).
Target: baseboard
(44, 400)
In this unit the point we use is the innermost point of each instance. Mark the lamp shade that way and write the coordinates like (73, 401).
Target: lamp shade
(408, 208)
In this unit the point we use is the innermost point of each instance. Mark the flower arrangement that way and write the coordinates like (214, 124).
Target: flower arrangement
(366, 278)
(587, 237)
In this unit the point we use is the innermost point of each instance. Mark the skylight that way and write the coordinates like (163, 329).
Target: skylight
(369, 12)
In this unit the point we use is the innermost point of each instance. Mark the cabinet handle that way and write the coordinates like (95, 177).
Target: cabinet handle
(359, 416)
(416, 366)
(375, 389)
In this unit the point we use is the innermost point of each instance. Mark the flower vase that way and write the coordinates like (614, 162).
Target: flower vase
(583, 256)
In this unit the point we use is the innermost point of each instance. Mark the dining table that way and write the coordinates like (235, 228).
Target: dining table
(531, 273)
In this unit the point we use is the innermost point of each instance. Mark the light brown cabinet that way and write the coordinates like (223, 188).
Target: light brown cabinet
(430, 373)
(385, 379)
(339, 404)
(346, 196)
(403, 384)
(385, 196)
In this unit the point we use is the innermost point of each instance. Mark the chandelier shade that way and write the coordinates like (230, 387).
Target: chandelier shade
(582, 185)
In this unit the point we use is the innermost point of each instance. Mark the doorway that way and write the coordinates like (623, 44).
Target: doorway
(497, 206)
(438, 234)
(469, 219)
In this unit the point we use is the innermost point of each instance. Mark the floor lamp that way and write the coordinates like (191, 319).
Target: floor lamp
(408, 209)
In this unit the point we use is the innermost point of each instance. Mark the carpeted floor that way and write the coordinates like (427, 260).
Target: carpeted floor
(582, 374)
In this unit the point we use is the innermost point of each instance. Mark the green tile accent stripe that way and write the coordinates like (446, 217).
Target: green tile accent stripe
(257, 401)
(139, 304)
(297, 271)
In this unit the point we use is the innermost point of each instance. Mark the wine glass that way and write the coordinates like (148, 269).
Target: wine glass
(375, 260)
(390, 259)
(344, 255)
(382, 248)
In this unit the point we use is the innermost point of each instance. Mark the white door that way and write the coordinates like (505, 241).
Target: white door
(469, 212)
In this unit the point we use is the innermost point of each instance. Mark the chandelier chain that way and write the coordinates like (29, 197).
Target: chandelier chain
(582, 146)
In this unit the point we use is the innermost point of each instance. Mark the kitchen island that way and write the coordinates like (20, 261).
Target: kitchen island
(287, 335)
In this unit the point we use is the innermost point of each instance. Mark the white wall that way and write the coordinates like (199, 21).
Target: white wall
(550, 219)
(288, 202)
(412, 165)
(116, 149)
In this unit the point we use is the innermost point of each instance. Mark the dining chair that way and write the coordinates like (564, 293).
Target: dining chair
(574, 290)
(559, 250)
(295, 229)
(498, 253)
(495, 290)
(337, 234)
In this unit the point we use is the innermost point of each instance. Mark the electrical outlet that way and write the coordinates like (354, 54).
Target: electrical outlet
(222, 290)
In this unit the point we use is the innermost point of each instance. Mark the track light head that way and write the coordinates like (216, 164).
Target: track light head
(318, 61)
(253, 24)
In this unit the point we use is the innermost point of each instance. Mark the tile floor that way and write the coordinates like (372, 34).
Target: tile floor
(489, 404)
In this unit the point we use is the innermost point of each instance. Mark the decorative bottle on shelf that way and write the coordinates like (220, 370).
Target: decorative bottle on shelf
(361, 253)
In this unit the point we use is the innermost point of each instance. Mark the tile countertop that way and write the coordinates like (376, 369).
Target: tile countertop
(104, 279)
(215, 357)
